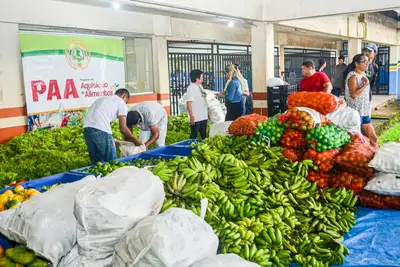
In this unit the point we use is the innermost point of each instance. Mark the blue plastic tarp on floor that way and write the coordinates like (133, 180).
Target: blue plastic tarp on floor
(375, 239)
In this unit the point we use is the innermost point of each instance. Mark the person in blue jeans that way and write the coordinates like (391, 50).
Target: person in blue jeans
(97, 126)
(233, 93)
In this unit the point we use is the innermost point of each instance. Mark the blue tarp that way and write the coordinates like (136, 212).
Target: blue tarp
(375, 239)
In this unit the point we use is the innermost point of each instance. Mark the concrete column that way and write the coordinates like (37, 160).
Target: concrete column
(281, 59)
(394, 71)
(262, 57)
(338, 48)
(144, 61)
(354, 48)
(160, 70)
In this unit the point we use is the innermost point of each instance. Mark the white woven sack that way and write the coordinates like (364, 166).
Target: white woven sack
(46, 223)
(107, 208)
(387, 158)
(175, 238)
(346, 118)
(385, 184)
(225, 260)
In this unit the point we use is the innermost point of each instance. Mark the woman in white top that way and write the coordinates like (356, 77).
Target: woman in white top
(357, 95)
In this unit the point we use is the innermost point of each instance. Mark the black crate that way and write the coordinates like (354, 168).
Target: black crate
(278, 98)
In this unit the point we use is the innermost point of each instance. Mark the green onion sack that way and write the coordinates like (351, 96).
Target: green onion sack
(269, 131)
(327, 137)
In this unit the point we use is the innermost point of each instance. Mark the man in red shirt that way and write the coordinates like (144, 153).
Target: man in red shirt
(314, 81)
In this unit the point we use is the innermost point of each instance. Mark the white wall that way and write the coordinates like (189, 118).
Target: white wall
(208, 31)
(294, 9)
(378, 30)
(61, 14)
(11, 93)
(248, 9)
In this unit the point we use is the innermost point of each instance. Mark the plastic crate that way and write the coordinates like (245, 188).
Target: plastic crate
(130, 158)
(172, 151)
(278, 98)
(5, 243)
(66, 177)
(186, 143)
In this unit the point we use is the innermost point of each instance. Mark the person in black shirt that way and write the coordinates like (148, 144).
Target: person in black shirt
(372, 72)
(321, 65)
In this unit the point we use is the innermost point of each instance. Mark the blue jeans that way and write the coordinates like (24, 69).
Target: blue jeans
(101, 145)
(365, 120)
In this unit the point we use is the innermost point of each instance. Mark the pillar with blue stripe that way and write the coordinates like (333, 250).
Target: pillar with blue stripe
(394, 71)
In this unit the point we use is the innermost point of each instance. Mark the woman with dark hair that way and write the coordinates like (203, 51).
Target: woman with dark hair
(321, 65)
(357, 90)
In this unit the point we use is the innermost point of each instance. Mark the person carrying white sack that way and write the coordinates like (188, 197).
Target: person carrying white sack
(152, 120)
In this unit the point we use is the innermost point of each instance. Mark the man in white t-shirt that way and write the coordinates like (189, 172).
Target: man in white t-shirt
(152, 120)
(97, 126)
(197, 105)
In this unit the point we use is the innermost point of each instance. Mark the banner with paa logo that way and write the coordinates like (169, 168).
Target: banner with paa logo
(69, 72)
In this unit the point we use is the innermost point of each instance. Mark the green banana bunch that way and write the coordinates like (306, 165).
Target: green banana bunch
(161, 170)
(252, 253)
(176, 183)
(261, 205)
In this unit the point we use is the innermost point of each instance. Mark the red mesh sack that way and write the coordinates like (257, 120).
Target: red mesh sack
(350, 181)
(303, 119)
(322, 102)
(294, 139)
(323, 179)
(357, 155)
(246, 125)
(324, 160)
(392, 201)
(372, 200)
(292, 154)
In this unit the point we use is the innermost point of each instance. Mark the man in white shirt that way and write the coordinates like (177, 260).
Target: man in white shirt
(152, 120)
(197, 105)
(97, 126)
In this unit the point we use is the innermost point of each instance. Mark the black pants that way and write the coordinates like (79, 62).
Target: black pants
(198, 126)
(336, 91)
(233, 111)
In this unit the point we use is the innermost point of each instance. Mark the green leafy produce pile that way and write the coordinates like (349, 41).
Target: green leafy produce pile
(260, 205)
(391, 135)
(42, 153)
(7, 178)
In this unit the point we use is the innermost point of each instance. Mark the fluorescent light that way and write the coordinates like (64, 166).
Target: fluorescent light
(231, 24)
(116, 5)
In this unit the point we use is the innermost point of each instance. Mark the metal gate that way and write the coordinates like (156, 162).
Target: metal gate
(294, 57)
(211, 58)
(382, 84)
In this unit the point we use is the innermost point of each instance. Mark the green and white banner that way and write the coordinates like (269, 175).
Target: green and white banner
(69, 72)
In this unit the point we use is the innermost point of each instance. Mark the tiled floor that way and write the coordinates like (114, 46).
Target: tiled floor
(378, 100)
